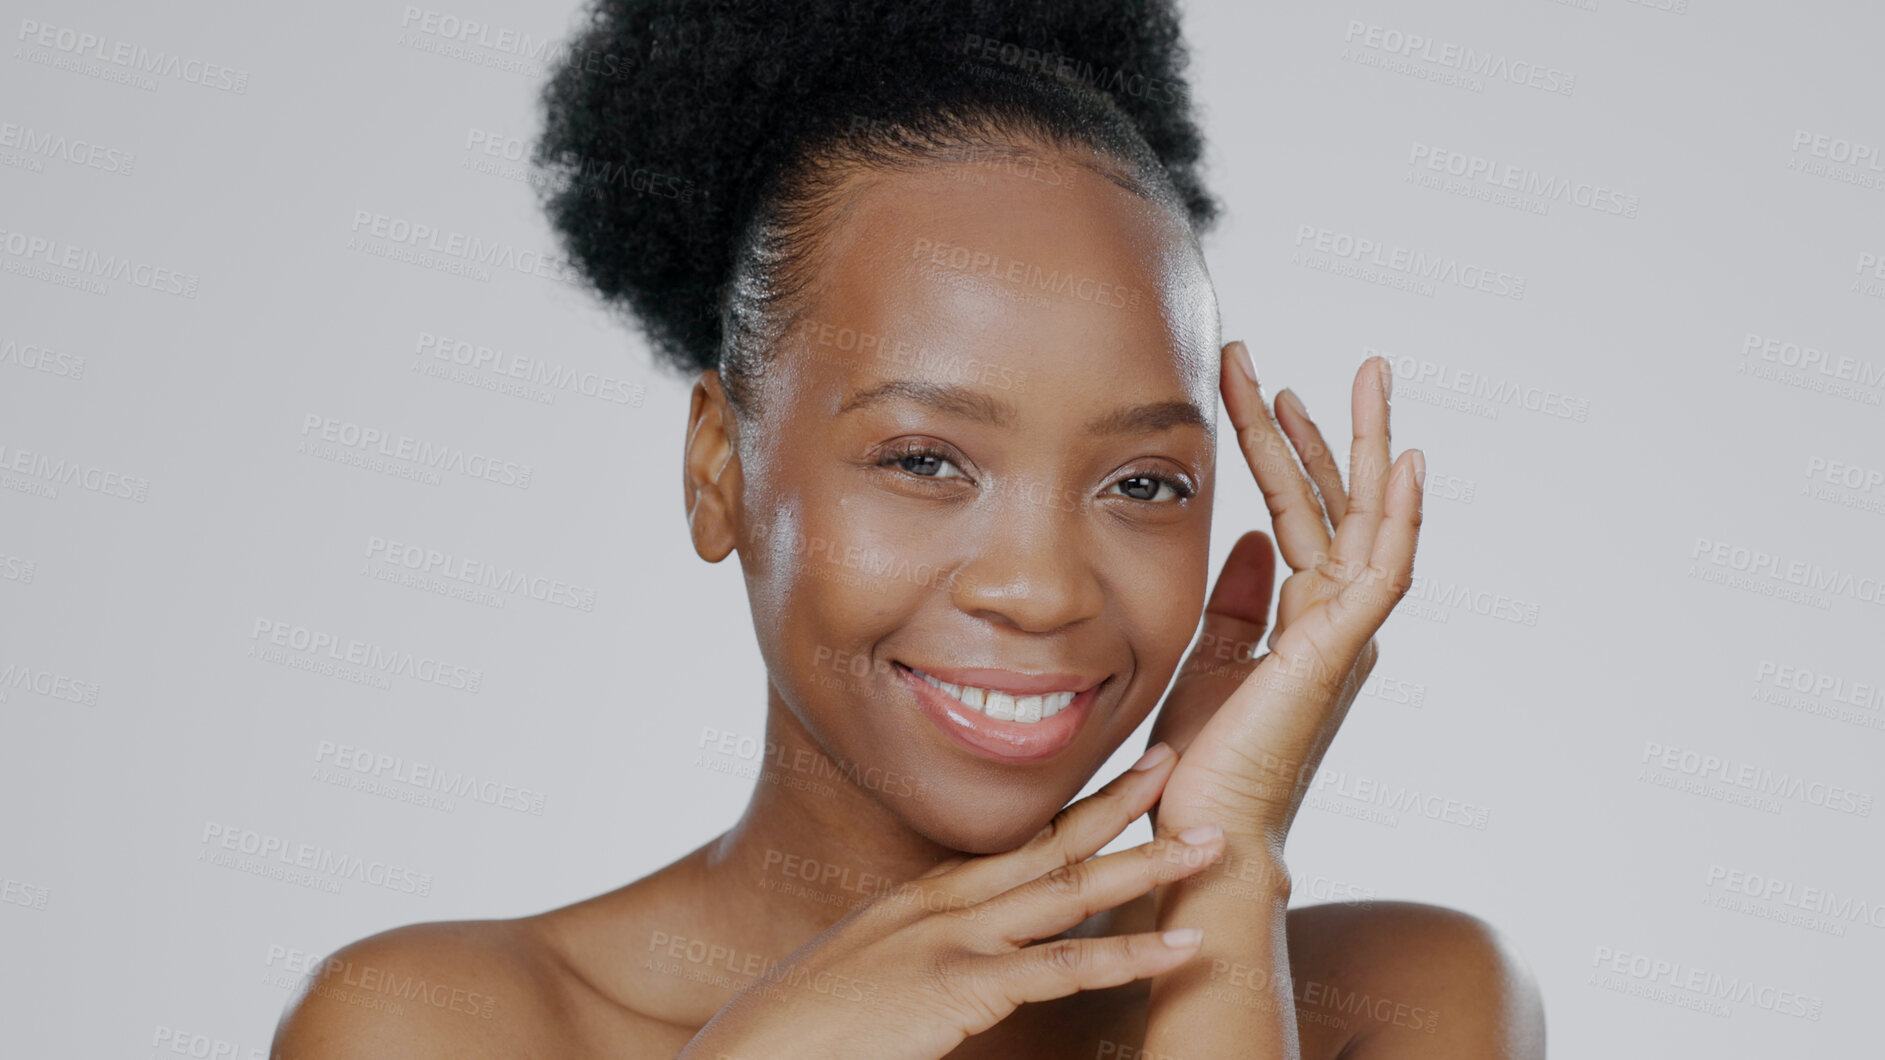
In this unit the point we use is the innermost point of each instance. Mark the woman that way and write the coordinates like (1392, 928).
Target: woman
(935, 269)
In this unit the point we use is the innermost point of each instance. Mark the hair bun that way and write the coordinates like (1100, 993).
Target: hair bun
(666, 119)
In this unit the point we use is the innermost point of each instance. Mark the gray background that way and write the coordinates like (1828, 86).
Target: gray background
(1575, 617)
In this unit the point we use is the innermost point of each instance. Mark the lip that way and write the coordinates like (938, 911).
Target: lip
(1005, 741)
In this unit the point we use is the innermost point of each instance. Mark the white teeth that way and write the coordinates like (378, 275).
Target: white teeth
(1001, 705)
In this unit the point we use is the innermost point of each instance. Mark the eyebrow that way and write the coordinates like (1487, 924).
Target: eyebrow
(970, 404)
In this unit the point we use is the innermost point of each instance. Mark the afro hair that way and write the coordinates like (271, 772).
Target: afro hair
(672, 127)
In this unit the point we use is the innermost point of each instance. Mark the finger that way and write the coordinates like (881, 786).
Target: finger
(1075, 834)
(1068, 966)
(1302, 533)
(1391, 565)
(1069, 894)
(1314, 452)
(1367, 466)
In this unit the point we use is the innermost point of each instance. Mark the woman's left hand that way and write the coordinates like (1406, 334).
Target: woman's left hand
(1245, 764)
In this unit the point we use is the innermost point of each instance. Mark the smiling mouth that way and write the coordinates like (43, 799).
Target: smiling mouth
(1004, 706)
(1030, 718)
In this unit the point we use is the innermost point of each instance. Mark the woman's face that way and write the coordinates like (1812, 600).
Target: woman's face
(986, 452)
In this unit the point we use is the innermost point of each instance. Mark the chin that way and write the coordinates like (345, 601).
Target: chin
(975, 833)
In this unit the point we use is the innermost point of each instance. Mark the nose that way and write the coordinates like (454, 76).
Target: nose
(1032, 567)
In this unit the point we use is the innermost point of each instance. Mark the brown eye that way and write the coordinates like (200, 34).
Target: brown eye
(923, 462)
(1146, 487)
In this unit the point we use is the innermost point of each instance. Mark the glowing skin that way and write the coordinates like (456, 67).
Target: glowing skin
(1023, 547)
(999, 527)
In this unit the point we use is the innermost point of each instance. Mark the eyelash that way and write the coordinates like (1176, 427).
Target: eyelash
(917, 450)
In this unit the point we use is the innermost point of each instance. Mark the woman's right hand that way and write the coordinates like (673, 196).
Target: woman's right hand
(912, 973)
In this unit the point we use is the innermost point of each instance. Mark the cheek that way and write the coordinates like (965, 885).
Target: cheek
(840, 576)
(1163, 602)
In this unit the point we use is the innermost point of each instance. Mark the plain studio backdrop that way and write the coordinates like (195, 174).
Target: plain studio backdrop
(1624, 256)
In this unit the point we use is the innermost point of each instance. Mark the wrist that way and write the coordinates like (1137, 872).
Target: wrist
(1249, 874)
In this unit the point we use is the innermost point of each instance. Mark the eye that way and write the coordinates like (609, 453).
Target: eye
(921, 461)
(1146, 487)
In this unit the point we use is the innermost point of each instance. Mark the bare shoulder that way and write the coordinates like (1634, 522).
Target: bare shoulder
(1411, 981)
(473, 988)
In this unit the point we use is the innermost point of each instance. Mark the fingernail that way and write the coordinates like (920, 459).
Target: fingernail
(1419, 460)
(1387, 378)
(1242, 355)
(1153, 755)
(1198, 835)
(1288, 397)
(1180, 938)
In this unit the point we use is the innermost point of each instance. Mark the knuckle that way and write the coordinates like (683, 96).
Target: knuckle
(1064, 956)
(1063, 880)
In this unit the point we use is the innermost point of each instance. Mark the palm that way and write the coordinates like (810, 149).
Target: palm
(1251, 727)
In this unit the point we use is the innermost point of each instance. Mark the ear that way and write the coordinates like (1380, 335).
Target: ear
(710, 467)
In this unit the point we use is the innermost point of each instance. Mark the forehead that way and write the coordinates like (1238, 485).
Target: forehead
(1029, 277)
